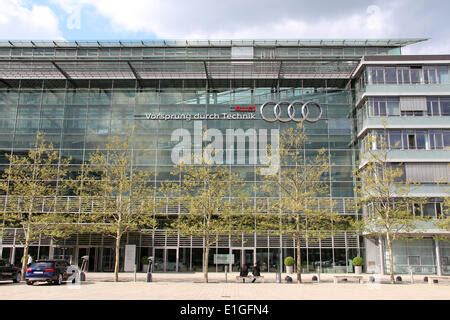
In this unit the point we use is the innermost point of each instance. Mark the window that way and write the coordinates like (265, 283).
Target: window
(436, 139)
(382, 108)
(416, 75)
(377, 75)
(433, 106)
(417, 210)
(411, 141)
(445, 106)
(395, 139)
(393, 107)
(446, 138)
(442, 74)
(379, 140)
(429, 210)
(430, 173)
(438, 209)
(421, 140)
(414, 261)
(403, 76)
(430, 75)
(391, 76)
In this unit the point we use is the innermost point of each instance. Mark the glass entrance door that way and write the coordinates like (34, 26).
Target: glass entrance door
(242, 256)
(236, 267)
(107, 260)
(158, 263)
(165, 260)
(92, 253)
(171, 260)
(248, 257)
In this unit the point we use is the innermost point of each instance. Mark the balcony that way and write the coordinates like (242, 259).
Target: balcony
(402, 90)
(403, 122)
(419, 227)
(412, 156)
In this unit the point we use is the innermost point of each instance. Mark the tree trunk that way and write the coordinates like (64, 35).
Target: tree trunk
(25, 253)
(117, 257)
(299, 258)
(205, 260)
(391, 258)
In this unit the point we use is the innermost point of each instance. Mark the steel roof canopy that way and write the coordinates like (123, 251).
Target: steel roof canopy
(215, 43)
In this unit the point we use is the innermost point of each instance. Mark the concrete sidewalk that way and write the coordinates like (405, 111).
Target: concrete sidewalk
(100, 286)
(220, 277)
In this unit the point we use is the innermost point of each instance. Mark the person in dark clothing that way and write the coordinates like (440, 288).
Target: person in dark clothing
(256, 272)
(244, 270)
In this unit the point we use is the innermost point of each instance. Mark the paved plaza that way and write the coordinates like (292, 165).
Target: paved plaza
(100, 286)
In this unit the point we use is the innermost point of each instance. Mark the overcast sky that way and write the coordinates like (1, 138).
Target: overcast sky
(228, 19)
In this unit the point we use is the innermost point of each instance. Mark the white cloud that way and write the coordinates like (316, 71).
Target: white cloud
(240, 19)
(20, 21)
(253, 19)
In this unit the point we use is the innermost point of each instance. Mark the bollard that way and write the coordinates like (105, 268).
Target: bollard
(278, 277)
(226, 274)
(411, 275)
(150, 269)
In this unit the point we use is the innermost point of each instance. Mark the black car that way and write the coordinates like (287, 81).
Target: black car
(50, 271)
(9, 272)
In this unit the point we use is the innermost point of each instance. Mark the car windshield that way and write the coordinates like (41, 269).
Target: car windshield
(42, 265)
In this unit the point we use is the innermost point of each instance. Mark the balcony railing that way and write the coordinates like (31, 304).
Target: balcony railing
(79, 205)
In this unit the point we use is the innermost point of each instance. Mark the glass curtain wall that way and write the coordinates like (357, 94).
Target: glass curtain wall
(80, 121)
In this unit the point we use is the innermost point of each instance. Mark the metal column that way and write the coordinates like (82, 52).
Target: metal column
(438, 257)
(382, 262)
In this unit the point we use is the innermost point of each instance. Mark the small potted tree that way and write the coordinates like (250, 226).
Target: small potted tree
(144, 261)
(357, 263)
(289, 263)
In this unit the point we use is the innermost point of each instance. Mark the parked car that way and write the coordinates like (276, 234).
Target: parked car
(9, 272)
(50, 271)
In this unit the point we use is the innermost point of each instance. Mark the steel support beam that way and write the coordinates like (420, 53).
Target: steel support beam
(136, 74)
(64, 73)
(208, 78)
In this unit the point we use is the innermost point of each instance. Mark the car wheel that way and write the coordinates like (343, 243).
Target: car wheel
(17, 278)
(30, 283)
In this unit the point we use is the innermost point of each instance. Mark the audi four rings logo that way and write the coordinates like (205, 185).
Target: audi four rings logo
(297, 111)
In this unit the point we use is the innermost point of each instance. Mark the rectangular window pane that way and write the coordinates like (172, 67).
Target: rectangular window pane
(446, 136)
(391, 76)
(443, 74)
(406, 76)
(428, 210)
(445, 106)
(395, 139)
(393, 108)
(382, 107)
(411, 141)
(416, 75)
(421, 140)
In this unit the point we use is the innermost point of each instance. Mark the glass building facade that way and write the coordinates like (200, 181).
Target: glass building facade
(80, 94)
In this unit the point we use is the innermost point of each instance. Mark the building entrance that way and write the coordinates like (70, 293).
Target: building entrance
(165, 259)
(92, 253)
(242, 256)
